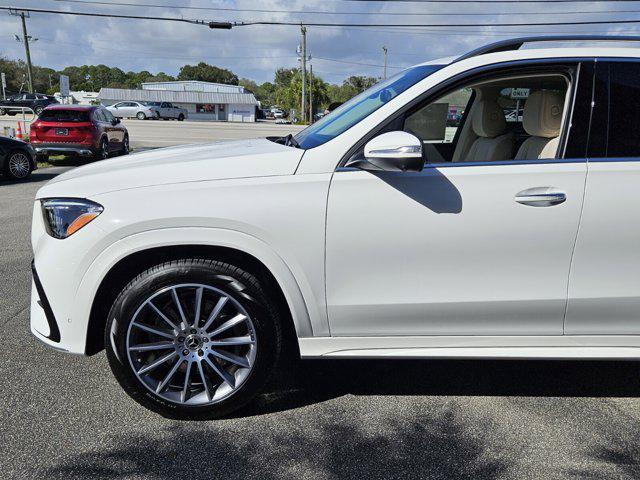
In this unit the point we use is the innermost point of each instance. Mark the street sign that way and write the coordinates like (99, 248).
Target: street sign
(64, 85)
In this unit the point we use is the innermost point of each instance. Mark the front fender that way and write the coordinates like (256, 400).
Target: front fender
(307, 317)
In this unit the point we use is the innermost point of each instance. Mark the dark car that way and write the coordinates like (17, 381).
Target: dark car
(17, 158)
(24, 101)
(88, 131)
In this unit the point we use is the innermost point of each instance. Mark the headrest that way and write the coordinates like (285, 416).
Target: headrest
(543, 114)
(488, 119)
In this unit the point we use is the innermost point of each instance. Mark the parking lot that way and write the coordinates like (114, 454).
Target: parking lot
(160, 133)
(66, 417)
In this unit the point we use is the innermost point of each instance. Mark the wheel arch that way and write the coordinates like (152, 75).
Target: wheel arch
(136, 262)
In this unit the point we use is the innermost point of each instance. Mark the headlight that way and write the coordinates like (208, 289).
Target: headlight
(65, 216)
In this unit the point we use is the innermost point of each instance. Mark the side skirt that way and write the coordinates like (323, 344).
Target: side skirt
(494, 347)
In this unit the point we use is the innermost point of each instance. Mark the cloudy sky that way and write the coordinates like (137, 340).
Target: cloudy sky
(256, 51)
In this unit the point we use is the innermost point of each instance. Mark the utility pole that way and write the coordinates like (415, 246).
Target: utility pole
(384, 75)
(303, 32)
(25, 40)
(310, 93)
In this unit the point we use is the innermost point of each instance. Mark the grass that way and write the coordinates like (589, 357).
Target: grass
(62, 161)
(67, 161)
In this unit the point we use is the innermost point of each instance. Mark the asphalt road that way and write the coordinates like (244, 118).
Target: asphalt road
(161, 133)
(65, 416)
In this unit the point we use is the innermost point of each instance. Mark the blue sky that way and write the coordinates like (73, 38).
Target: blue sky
(256, 51)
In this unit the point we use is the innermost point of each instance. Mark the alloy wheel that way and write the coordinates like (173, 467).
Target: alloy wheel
(191, 344)
(19, 165)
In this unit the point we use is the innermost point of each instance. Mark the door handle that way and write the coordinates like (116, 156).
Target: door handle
(541, 197)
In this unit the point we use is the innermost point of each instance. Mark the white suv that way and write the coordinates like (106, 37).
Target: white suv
(486, 207)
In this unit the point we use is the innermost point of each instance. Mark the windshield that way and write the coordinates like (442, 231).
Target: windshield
(361, 106)
(151, 104)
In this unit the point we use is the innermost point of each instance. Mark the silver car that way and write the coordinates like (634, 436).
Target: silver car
(139, 110)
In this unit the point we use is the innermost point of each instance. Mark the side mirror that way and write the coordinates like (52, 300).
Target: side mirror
(392, 151)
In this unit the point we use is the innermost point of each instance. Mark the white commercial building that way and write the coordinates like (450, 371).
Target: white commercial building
(203, 100)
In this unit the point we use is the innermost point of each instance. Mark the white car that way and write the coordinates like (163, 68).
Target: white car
(367, 235)
(139, 110)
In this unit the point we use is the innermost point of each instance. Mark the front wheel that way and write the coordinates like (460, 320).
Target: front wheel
(193, 338)
(181, 117)
(3, 111)
(141, 116)
(38, 110)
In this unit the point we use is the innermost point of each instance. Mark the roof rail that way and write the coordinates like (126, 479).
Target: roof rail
(516, 43)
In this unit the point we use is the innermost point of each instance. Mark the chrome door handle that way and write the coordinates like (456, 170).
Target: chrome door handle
(541, 197)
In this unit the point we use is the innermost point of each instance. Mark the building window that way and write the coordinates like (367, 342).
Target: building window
(205, 108)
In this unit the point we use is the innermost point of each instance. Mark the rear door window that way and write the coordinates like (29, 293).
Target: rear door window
(99, 116)
(624, 110)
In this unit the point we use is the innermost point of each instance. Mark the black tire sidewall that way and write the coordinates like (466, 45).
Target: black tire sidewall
(234, 282)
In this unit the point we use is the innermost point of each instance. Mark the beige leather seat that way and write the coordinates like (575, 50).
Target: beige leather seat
(492, 144)
(541, 119)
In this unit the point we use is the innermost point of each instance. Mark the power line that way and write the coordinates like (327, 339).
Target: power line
(221, 25)
(355, 63)
(325, 12)
(228, 25)
(430, 25)
(467, 33)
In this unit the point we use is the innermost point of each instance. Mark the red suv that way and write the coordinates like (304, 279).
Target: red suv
(88, 131)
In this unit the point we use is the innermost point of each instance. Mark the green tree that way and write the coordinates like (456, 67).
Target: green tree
(248, 84)
(207, 73)
(351, 87)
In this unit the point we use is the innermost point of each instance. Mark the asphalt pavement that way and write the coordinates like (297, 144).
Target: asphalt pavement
(65, 417)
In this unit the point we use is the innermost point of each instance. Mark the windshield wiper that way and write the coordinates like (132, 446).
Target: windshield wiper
(287, 141)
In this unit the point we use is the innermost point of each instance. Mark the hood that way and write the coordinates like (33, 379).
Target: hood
(186, 163)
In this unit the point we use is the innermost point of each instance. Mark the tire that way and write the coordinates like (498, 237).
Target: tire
(11, 114)
(125, 145)
(103, 150)
(3, 111)
(181, 117)
(191, 356)
(18, 165)
(38, 110)
(141, 116)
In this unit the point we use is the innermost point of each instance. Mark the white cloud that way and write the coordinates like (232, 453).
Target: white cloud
(256, 51)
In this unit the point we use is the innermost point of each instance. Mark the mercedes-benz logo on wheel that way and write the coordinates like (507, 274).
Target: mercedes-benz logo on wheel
(193, 342)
